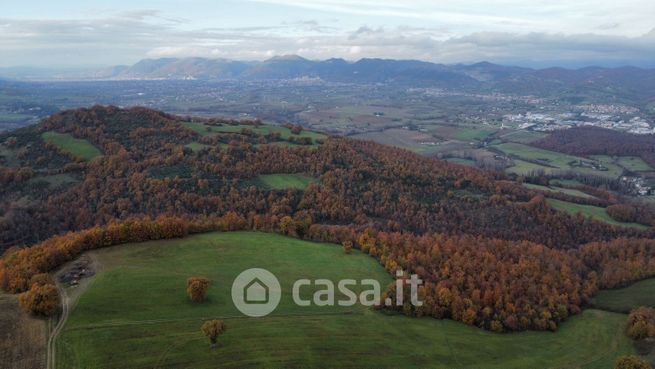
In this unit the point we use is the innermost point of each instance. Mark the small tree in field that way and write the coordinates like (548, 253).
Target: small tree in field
(212, 329)
(347, 247)
(196, 288)
(631, 362)
(40, 299)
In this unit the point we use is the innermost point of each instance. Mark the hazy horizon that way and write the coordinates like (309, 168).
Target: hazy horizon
(71, 34)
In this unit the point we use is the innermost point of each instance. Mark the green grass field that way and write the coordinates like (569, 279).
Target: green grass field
(566, 182)
(77, 147)
(285, 133)
(623, 300)
(567, 191)
(6, 117)
(197, 146)
(473, 134)
(594, 212)
(467, 162)
(631, 163)
(521, 167)
(524, 137)
(135, 315)
(553, 162)
(284, 181)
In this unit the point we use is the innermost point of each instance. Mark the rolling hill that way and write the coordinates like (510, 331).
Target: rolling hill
(405, 210)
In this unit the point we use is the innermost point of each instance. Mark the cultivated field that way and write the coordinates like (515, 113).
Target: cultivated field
(77, 147)
(135, 314)
(416, 141)
(554, 162)
(631, 163)
(524, 137)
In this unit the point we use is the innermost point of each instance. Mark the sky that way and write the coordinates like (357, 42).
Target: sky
(536, 33)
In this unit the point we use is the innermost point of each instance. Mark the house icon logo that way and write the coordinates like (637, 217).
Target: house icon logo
(256, 292)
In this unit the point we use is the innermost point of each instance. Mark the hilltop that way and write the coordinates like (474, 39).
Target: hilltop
(84, 168)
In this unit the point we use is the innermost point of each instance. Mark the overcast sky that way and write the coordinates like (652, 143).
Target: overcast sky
(94, 33)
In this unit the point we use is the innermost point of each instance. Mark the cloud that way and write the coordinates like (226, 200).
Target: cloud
(124, 38)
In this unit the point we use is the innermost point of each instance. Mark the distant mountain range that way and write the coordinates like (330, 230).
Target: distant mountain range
(630, 81)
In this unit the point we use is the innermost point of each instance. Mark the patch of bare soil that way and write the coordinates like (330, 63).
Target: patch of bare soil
(74, 272)
(22, 337)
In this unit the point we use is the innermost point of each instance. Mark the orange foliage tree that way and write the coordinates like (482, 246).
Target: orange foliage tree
(196, 288)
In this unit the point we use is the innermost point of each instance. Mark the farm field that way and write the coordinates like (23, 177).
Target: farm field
(461, 161)
(77, 147)
(631, 163)
(415, 141)
(553, 161)
(135, 314)
(594, 212)
(13, 117)
(522, 167)
(285, 133)
(567, 191)
(524, 137)
(284, 181)
(623, 300)
(473, 134)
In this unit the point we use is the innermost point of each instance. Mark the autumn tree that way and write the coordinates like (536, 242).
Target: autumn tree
(212, 329)
(296, 130)
(347, 247)
(631, 362)
(196, 288)
(41, 299)
(641, 323)
(285, 224)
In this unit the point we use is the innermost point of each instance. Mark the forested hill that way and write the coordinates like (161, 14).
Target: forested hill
(461, 229)
(142, 162)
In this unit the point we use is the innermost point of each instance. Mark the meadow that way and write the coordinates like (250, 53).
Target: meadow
(524, 137)
(135, 314)
(552, 162)
(623, 300)
(284, 181)
(473, 134)
(285, 133)
(590, 211)
(197, 146)
(77, 147)
(631, 163)
(566, 191)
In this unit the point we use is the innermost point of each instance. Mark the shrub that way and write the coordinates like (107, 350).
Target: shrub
(212, 329)
(196, 288)
(641, 323)
(631, 362)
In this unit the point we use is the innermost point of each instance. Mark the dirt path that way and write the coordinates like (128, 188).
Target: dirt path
(68, 300)
(65, 309)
